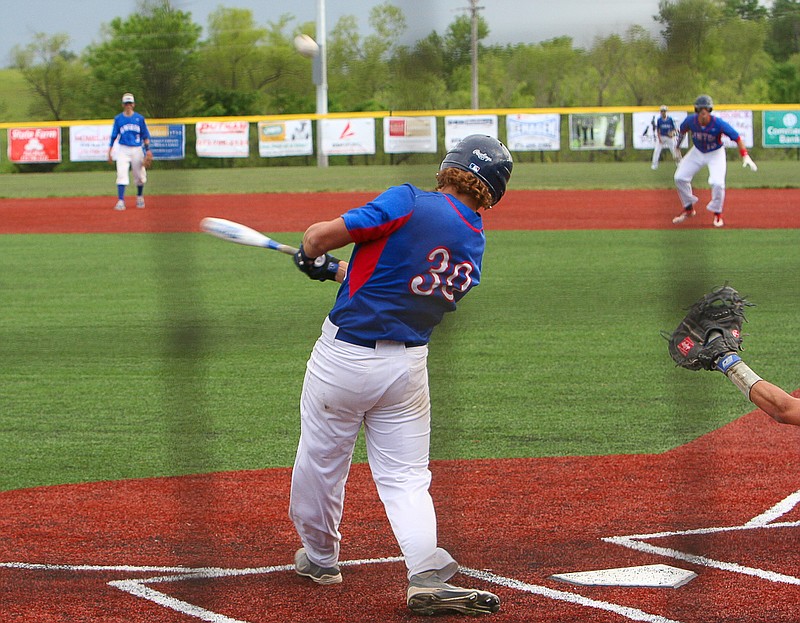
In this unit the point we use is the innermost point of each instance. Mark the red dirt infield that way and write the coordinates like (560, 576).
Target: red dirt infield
(217, 547)
(526, 210)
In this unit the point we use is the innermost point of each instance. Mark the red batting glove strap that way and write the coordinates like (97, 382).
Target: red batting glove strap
(742, 152)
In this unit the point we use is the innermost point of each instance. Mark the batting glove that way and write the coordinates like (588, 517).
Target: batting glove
(747, 161)
(320, 268)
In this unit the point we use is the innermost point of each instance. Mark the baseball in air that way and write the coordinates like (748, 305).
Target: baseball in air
(306, 46)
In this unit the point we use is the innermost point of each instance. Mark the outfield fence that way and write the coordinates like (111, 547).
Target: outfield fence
(390, 137)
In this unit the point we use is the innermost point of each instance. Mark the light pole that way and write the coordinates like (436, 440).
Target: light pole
(320, 71)
(474, 8)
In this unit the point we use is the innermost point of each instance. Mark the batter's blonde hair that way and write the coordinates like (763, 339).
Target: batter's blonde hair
(466, 183)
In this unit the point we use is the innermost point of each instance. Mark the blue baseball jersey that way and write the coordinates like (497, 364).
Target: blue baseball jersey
(665, 126)
(416, 254)
(132, 131)
(708, 138)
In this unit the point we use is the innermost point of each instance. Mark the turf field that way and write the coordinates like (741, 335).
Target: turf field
(130, 355)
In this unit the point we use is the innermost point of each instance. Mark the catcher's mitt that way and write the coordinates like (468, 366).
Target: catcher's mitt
(721, 310)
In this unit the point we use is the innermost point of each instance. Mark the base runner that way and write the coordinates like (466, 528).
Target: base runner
(416, 255)
(706, 151)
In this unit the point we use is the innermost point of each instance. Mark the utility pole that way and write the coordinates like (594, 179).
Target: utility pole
(473, 9)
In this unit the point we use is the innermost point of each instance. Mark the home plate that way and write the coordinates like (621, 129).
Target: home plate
(647, 576)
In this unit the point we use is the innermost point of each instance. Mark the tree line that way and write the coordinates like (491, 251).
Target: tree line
(736, 50)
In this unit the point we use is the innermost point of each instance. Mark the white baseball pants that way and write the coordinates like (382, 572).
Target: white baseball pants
(130, 159)
(385, 389)
(667, 142)
(692, 162)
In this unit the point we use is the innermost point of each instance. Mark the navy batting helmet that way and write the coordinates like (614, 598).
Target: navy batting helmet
(703, 101)
(487, 158)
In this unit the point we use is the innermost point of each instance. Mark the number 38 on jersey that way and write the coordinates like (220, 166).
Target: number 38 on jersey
(443, 276)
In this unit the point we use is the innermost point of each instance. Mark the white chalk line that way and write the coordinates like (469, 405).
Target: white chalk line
(141, 588)
(629, 613)
(764, 521)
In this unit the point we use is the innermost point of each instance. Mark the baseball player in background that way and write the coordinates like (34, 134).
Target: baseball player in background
(133, 150)
(665, 133)
(706, 150)
(416, 254)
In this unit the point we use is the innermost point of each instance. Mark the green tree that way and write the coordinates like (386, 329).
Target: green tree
(746, 62)
(153, 53)
(784, 20)
(744, 9)
(417, 76)
(244, 67)
(688, 28)
(55, 75)
(784, 81)
(358, 68)
(640, 68)
(552, 72)
(606, 57)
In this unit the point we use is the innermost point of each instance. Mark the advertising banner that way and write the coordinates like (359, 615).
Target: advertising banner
(168, 141)
(643, 132)
(596, 131)
(781, 128)
(403, 135)
(89, 143)
(34, 145)
(457, 127)
(285, 138)
(348, 137)
(742, 122)
(533, 132)
(223, 139)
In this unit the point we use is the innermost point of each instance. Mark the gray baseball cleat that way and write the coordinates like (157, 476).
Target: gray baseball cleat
(321, 575)
(428, 595)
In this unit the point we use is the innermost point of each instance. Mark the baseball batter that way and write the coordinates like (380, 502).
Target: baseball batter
(707, 150)
(664, 132)
(133, 151)
(416, 254)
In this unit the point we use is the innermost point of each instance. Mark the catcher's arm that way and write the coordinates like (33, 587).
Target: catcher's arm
(709, 337)
(776, 403)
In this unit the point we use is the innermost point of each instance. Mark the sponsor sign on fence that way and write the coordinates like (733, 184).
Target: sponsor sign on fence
(34, 145)
(781, 128)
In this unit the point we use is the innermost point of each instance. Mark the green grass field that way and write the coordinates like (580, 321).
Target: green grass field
(561, 176)
(141, 355)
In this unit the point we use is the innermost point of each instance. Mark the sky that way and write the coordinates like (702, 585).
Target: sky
(510, 21)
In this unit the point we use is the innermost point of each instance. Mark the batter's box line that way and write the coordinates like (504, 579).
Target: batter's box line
(764, 521)
(140, 587)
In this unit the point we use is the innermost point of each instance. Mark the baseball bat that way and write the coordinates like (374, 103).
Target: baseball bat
(241, 234)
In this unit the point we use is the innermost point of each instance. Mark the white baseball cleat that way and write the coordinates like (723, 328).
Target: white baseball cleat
(120, 205)
(718, 222)
(139, 202)
(682, 217)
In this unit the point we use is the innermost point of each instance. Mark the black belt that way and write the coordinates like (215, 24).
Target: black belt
(345, 336)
